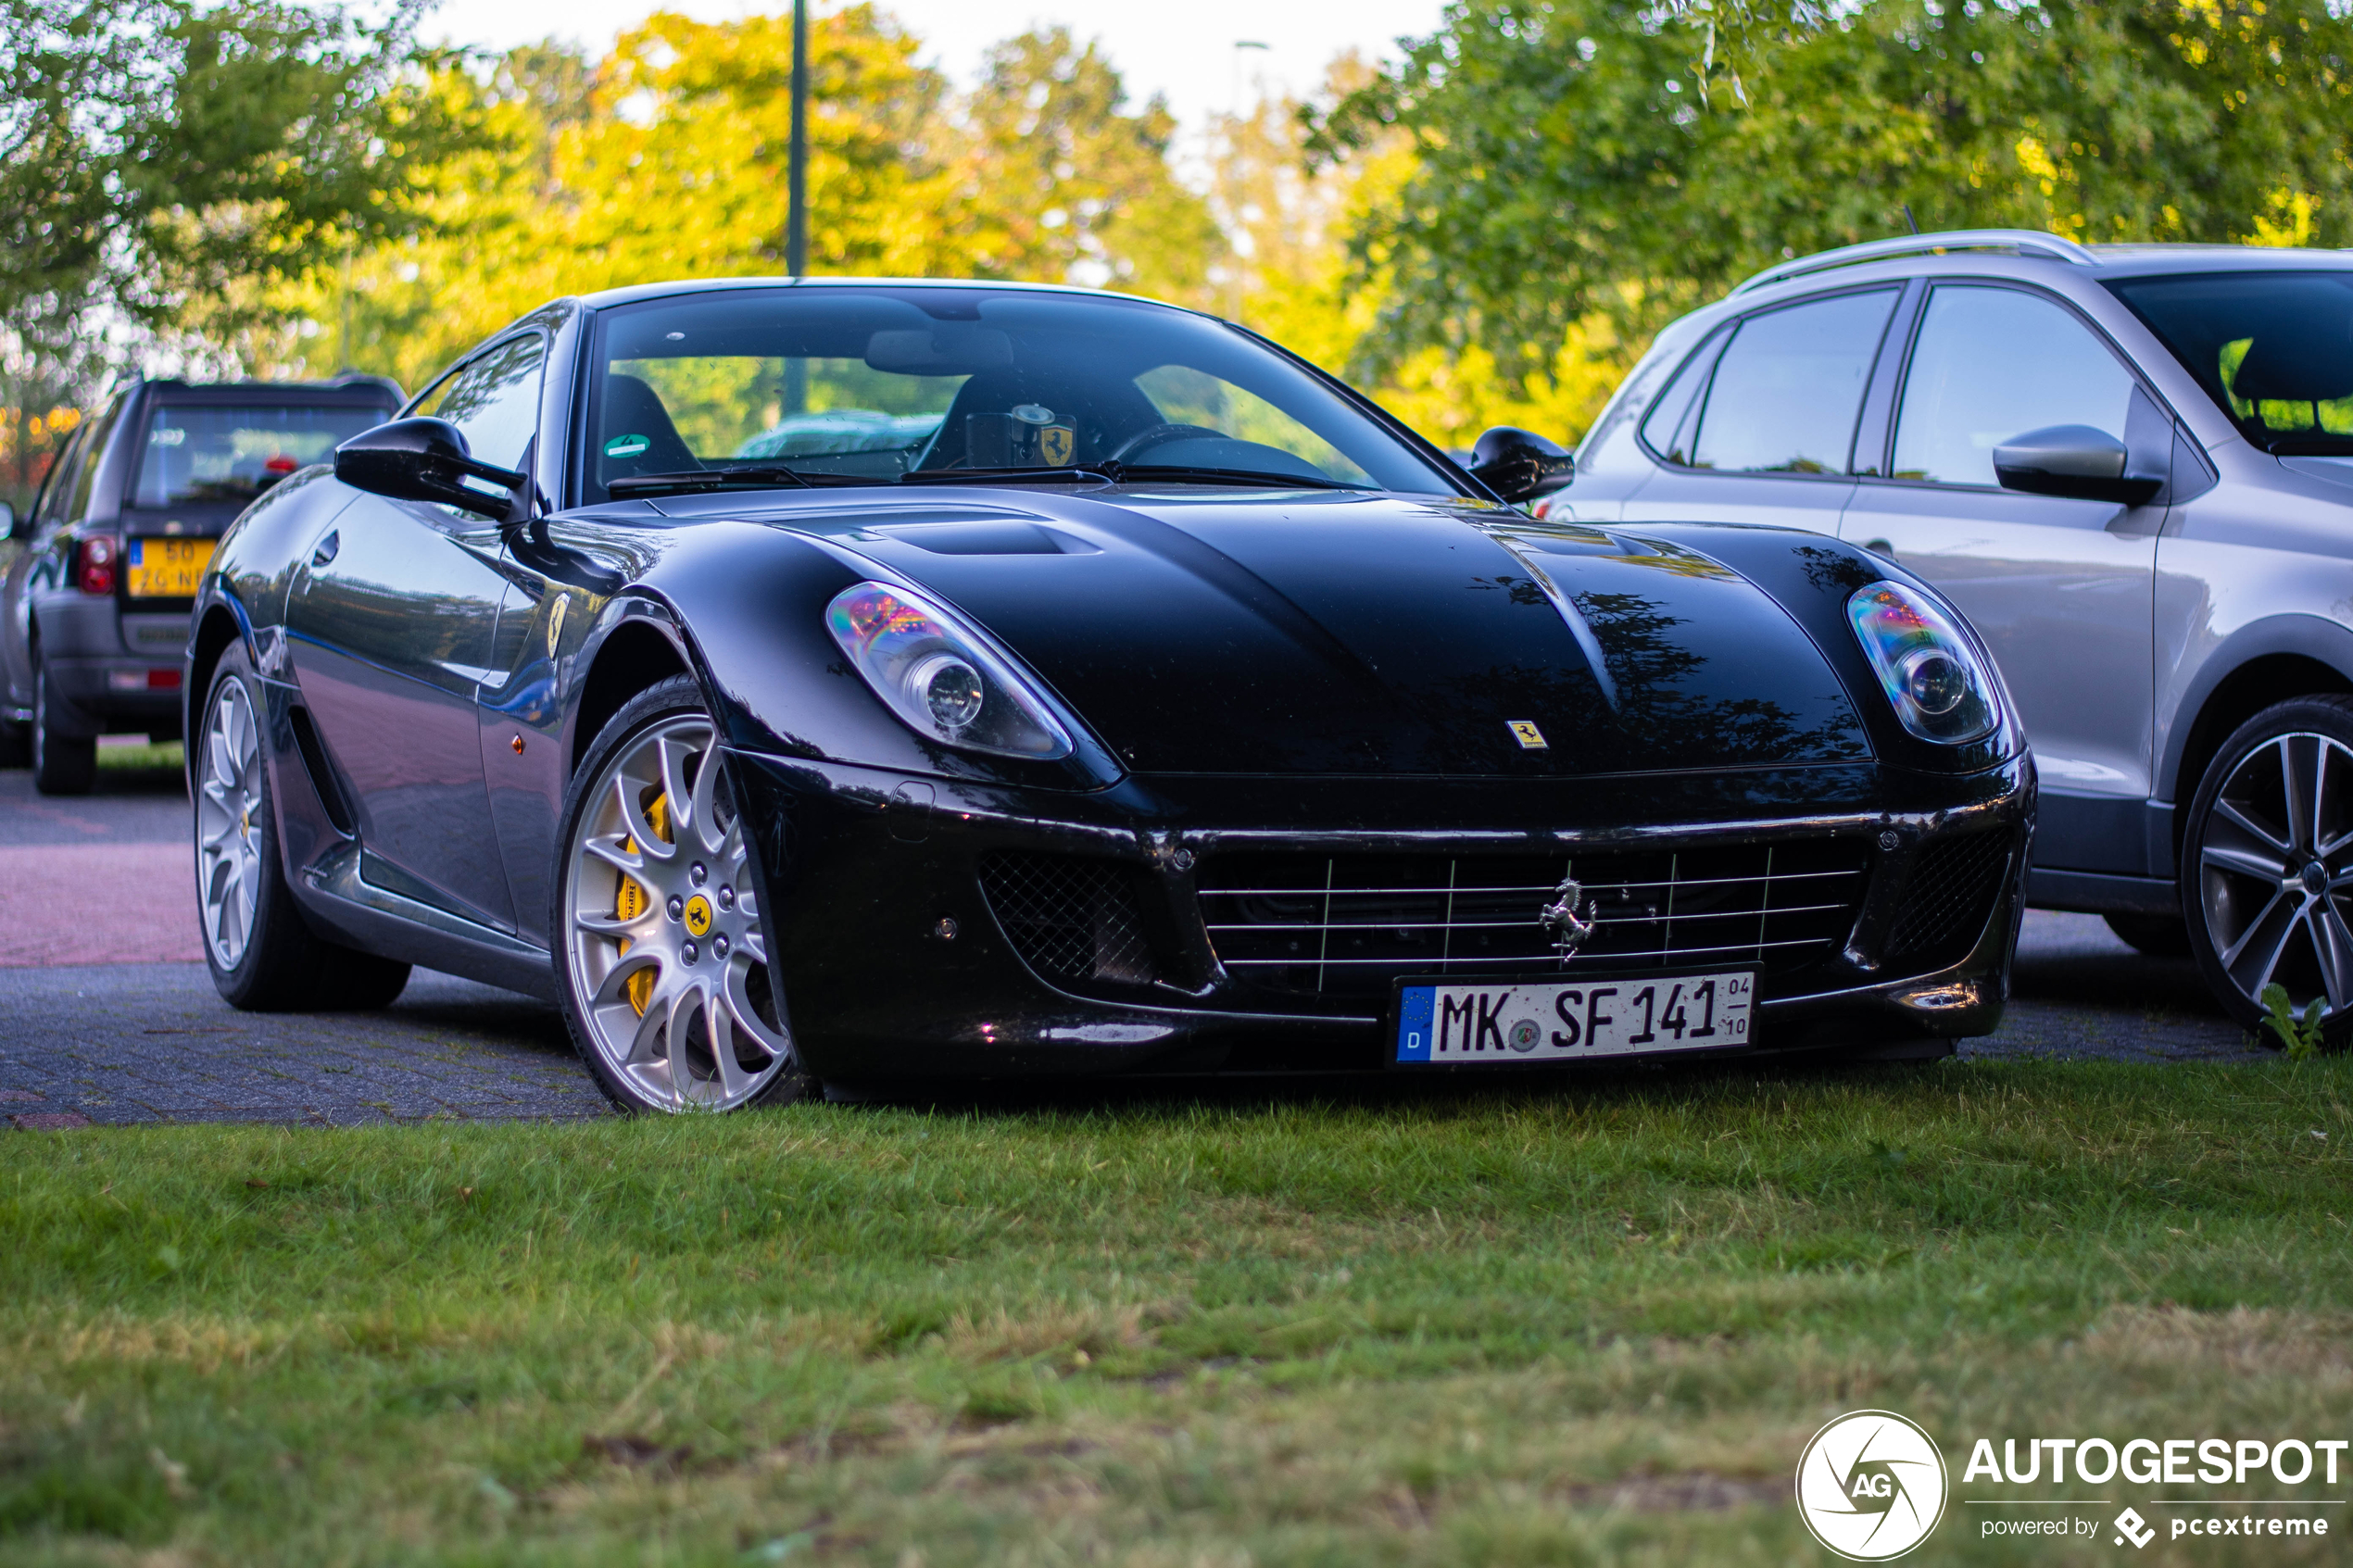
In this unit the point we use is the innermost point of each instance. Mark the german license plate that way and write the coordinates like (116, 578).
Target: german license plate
(167, 569)
(1571, 1020)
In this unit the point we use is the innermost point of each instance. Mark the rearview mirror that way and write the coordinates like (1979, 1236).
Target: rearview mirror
(952, 348)
(1519, 465)
(2074, 460)
(8, 521)
(426, 460)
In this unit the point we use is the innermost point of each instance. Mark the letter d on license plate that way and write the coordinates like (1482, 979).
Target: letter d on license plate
(1567, 1021)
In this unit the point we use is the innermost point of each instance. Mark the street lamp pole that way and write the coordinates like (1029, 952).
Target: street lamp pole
(796, 218)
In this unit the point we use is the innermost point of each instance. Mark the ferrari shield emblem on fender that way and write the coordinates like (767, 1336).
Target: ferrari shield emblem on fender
(1531, 738)
(1055, 444)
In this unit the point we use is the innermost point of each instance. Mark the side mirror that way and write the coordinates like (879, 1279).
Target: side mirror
(1519, 465)
(2073, 461)
(426, 460)
(8, 521)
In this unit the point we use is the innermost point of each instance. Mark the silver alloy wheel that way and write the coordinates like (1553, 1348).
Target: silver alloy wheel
(2275, 869)
(675, 990)
(229, 823)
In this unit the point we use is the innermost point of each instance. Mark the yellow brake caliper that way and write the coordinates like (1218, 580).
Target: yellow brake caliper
(631, 899)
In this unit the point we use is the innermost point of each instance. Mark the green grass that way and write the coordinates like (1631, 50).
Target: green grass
(1591, 1325)
(170, 757)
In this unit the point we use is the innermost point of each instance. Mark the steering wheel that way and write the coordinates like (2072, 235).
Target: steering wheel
(1152, 435)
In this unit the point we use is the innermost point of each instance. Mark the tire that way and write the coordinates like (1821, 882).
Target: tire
(2160, 936)
(264, 958)
(15, 745)
(61, 764)
(2267, 864)
(648, 945)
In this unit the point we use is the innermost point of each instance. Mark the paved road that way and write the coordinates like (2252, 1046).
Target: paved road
(107, 1013)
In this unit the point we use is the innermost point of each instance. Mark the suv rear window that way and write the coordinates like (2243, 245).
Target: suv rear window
(2275, 349)
(215, 452)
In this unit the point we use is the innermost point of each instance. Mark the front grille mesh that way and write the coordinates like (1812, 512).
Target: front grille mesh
(1351, 925)
(1945, 902)
(1072, 918)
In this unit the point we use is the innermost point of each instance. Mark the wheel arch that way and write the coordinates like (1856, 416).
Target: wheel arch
(2269, 662)
(641, 650)
(215, 631)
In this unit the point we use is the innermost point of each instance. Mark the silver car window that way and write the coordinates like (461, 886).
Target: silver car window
(1991, 363)
(1786, 392)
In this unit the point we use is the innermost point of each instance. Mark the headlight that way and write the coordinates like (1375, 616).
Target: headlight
(940, 678)
(1941, 690)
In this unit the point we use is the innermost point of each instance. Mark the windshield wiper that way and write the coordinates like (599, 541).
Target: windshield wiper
(748, 477)
(1125, 473)
(1252, 478)
(1069, 473)
(2309, 444)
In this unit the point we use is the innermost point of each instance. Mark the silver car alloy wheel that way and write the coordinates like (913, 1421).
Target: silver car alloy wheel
(2275, 869)
(667, 955)
(229, 823)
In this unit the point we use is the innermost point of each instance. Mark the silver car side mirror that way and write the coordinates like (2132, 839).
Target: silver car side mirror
(8, 521)
(2074, 460)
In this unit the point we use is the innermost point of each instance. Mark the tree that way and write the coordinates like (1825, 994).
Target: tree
(164, 161)
(1567, 165)
(668, 159)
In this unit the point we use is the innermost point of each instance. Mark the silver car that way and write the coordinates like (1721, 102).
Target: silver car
(2132, 466)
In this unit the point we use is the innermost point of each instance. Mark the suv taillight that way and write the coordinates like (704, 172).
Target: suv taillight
(94, 561)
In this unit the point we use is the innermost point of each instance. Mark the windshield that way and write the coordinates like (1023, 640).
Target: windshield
(211, 453)
(854, 384)
(2275, 350)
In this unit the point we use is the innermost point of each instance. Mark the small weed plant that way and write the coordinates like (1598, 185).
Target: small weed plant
(2299, 1036)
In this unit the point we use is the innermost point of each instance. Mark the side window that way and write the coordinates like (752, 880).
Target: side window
(58, 483)
(1992, 363)
(76, 484)
(1785, 394)
(494, 399)
(1666, 429)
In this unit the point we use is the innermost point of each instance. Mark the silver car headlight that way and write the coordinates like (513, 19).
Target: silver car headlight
(1940, 686)
(941, 677)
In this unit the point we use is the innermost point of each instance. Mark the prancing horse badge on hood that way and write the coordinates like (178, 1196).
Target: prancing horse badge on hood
(1531, 738)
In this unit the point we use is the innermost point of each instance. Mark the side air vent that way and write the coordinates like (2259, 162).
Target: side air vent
(323, 776)
(1946, 902)
(1072, 918)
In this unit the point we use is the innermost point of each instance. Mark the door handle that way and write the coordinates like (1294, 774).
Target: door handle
(327, 547)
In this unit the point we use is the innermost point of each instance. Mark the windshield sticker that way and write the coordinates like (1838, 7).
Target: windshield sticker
(627, 447)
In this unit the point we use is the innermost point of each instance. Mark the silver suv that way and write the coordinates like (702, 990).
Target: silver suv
(94, 609)
(2132, 466)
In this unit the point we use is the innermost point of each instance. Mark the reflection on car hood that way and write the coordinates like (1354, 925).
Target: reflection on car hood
(1377, 634)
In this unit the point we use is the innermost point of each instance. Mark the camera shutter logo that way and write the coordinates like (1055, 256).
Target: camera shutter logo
(1870, 1486)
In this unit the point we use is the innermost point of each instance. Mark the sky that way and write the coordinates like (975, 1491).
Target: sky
(1183, 49)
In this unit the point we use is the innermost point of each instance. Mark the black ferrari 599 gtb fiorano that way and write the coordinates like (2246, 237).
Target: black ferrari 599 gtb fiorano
(880, 683)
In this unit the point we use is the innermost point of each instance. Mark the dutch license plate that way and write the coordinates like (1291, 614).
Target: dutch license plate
(166, 569)
(1570, 1020)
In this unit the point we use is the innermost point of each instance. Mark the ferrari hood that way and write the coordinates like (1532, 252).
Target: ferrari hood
(1346, 633)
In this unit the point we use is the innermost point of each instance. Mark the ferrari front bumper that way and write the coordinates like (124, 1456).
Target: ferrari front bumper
(910, 954)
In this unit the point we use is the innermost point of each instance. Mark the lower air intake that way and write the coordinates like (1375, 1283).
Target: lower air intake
(1073, 919)
(1351, 925)
(1948, 900)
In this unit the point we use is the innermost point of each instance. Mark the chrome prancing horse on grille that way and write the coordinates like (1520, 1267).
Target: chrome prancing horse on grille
(1560, 917)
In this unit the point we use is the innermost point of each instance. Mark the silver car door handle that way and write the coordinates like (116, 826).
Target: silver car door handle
(327, 547)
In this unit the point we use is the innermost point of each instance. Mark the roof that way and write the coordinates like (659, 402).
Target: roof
(343, 389)
(609, 298)
(2055, 249)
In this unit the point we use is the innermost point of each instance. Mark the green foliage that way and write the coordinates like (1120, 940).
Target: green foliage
(160, 153)
(1569, 162)
(2300, 1038)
